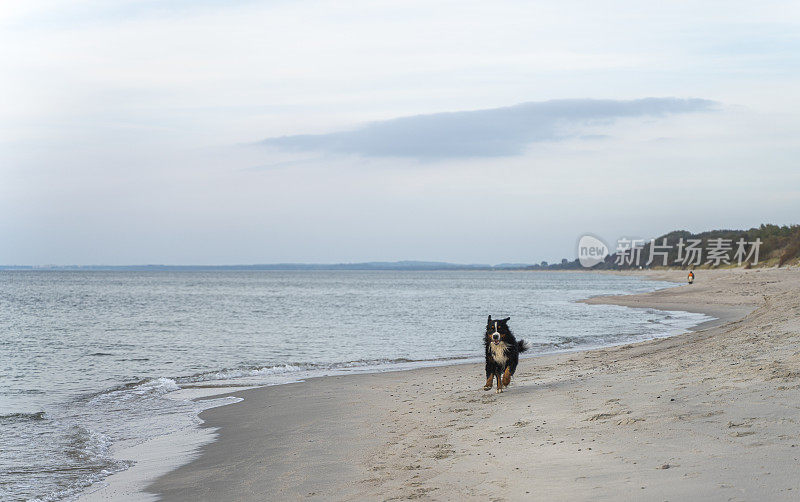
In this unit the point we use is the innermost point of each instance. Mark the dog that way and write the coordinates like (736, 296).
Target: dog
(502, 353)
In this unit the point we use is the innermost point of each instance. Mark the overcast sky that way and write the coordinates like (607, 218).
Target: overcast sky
(222, 132)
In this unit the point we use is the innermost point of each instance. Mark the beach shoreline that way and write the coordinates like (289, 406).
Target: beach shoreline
(373, 436)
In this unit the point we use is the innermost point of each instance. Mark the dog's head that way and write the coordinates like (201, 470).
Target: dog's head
(497, 330)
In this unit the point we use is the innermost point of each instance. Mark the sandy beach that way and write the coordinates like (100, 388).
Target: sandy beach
(709, 414)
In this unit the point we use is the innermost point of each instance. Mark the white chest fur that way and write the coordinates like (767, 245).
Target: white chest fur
(499, 353)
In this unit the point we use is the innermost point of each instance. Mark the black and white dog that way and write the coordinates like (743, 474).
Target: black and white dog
(502, 353)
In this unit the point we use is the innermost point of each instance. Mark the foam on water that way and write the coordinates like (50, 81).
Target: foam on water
(95, 358)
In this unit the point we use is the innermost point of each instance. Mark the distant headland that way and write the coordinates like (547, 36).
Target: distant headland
(778, 246)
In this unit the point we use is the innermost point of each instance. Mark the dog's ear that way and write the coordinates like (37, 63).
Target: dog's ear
(505, 320)
(490, 320)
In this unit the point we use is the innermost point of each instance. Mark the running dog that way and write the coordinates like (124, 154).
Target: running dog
(502, 353)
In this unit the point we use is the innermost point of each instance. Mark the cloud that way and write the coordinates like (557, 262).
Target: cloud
(494, 132)
(64, 13)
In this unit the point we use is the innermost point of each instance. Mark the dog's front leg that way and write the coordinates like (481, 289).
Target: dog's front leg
(506, 377)
(489, 382)
(499, 383)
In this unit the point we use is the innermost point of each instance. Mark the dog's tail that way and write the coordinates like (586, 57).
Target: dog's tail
(522, 346)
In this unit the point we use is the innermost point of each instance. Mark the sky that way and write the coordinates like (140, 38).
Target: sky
(244, 131)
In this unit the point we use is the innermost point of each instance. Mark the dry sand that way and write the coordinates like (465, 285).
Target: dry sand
(711, 414)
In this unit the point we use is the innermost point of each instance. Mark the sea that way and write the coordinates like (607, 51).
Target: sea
(90, 359)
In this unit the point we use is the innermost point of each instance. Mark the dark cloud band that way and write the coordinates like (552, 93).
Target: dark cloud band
(492, 132)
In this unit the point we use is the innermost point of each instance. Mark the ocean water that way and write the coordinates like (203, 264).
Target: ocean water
(88, 359)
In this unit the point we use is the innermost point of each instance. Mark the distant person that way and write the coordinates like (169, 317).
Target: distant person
(691, 276)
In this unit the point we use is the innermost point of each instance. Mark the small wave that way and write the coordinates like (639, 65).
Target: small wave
(141, 388)
(13, 392)
(92, 450)
(101, 354)
(296, 367)
(164, 385)
(228, 374)
(159, 386)
(21, 417)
